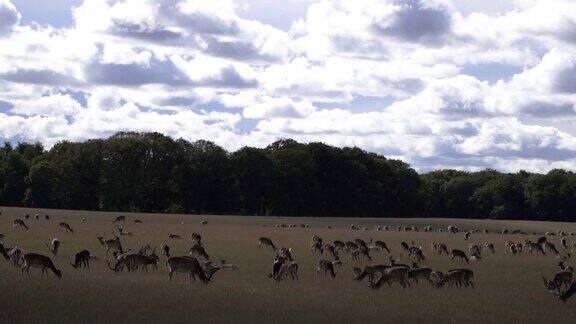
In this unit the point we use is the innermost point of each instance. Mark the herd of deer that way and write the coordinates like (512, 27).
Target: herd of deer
(198, 264)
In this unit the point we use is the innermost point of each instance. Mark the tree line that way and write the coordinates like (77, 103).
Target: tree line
(150, 172)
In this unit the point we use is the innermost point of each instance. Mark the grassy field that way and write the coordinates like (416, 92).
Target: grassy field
(507, 288)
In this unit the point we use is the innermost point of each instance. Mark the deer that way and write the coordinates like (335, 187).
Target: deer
(198, 250)
(20, 224)
(15, 255)
(123, 260)
(145, 260)
(53, 246)
(564, 243)
(563, 278)
(283, 268)
(34, 260)
(351, 246)
(453, 229)
(550, 247)
(4, 252)
(81, 258)
(328, 267)
(204, 222)
(458, 254)
(382, 246)
(391, 274)
(66, 227)
(489, 247)
(188, 265)
(113, 244)
(196, 238)
(420, 273)
(536, 246)
(165, 250)
(264, 241)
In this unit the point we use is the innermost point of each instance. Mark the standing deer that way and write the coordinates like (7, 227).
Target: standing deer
(81, 258)
(113, 244)
(53, 246)
(39, 261)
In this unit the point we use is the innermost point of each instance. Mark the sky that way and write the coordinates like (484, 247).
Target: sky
(462, 84)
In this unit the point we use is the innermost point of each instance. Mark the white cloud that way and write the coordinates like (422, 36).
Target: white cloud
(9, 17)
(199, 68)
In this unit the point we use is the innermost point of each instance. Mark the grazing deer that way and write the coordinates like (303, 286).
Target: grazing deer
(458, 254)
(34, 260)
(123, 260)
(174, 236)
(382, 246)
(81, 258)
(284, 268)
(467, 236)
(356, 254)
(113, 244)
(264, 241)
(489, 247)
(563, 278)
(392, 274)
(198, 250)
(420, 273)
(327, 266)
(550, 247)
(119, 219)
(47, 217)
(145, 260)
(453, 229)
(53, 246)
(204, 222)
(19, 223)
(65, 227)
(37, 216)
(372, 272)
(188, 265)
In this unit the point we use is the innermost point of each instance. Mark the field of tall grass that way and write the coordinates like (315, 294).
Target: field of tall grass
(508, 289)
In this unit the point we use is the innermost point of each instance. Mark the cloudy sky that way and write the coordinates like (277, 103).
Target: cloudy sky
(467, 84)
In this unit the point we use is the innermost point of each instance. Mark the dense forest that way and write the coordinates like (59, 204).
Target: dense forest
(149, 172)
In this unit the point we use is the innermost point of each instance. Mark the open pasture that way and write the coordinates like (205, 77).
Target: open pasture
(507, 288)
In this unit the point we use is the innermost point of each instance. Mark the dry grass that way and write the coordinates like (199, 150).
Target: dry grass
(508, 289)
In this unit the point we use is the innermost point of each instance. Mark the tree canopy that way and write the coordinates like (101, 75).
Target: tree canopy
(150, 172)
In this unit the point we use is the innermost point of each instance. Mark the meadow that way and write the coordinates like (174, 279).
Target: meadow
(508, 289)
